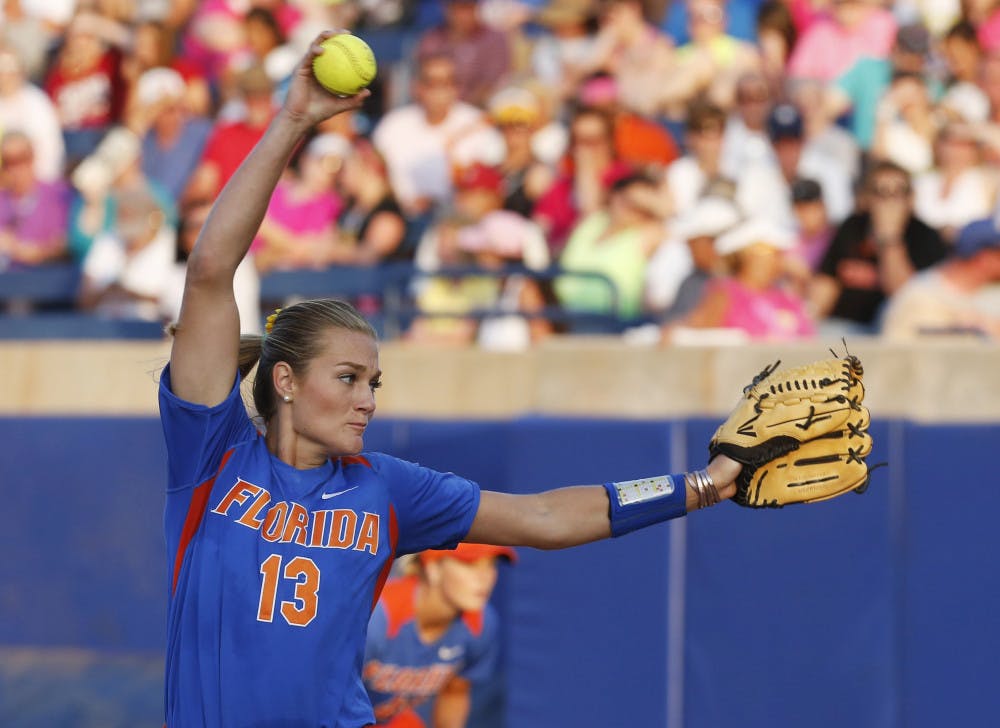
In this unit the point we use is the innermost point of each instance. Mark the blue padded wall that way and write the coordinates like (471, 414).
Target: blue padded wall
(791, 612)
(951, 634)
(873, 610)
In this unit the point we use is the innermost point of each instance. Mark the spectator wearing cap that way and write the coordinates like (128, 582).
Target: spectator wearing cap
(299, 230)
(33, 213)
(959, 188)
(172, 138)
(873, 253)
(231, 140)
(753, 298)
(711, 216)
(482, 54)
(959, 296)
(671, 261)
(25, 107)
(854, 29)
(859, 89)
(480, 234)
(617, 242)
(763, 188)
(479, 190)
(424, 141)
(517, 113)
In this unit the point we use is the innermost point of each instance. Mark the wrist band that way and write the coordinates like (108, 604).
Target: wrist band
(635, 504)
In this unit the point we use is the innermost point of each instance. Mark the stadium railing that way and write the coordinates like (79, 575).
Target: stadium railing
(40, 303)
(392, 286)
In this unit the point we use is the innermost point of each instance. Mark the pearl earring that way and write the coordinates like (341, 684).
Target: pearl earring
(287, 398)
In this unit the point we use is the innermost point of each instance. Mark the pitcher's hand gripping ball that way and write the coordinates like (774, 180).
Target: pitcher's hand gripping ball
(346, 65)
(801, 434)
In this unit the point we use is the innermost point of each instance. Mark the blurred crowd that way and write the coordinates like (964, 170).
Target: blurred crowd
(697, 170)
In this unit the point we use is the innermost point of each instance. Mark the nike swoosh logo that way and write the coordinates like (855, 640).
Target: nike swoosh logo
(450, 653)
(324, 496)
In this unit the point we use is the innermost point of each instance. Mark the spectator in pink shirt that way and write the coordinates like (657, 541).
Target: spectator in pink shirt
(33, 214)
(753, 299)
(855, 28)
(300, 227)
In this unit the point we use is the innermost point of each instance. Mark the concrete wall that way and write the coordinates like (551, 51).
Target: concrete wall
(930, 382)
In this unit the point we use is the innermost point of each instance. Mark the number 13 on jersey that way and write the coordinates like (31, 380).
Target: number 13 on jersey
(301, 570)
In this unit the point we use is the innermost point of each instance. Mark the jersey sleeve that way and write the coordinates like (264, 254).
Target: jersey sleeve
(198, 436)
(434, 510)
(484, 652)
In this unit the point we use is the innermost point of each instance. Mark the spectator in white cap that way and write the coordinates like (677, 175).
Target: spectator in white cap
(172, 139)
(752, 298)
(712, 216)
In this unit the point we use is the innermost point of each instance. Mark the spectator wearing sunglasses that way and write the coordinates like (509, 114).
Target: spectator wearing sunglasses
(873, 253)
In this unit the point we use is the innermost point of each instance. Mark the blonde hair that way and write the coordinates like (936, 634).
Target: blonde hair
(293, 336)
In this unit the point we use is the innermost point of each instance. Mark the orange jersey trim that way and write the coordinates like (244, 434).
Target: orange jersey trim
(393, 540)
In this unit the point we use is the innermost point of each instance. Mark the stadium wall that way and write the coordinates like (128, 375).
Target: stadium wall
(871, 610)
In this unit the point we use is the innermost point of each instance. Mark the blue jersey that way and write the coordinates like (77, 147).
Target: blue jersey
(274, 571)
(403, 674)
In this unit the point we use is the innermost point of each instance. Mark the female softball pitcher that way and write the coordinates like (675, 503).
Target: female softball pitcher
(280, 541)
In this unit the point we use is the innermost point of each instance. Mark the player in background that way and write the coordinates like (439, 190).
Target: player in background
(433, 636)
(280, 530)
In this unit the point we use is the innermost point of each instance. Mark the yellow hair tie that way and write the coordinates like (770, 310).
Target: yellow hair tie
(270, 321)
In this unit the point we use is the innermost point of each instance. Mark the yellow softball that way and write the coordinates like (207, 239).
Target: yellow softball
(346, 65)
